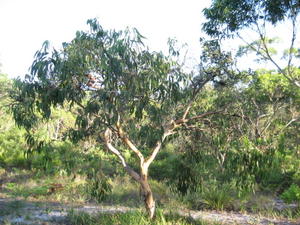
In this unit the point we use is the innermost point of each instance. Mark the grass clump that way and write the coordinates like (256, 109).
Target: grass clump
(218, 198)
(213, 196)
(131, 218)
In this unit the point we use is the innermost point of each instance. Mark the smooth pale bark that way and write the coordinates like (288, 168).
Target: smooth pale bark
(141, 178)
(147, 193)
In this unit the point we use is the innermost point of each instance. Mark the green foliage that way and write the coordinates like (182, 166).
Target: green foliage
(98, 186)
(212, 196)
(17, 190)
(255, 47)
(250, 146)
(6, 84)
(218, 197)
(131, 82)
(231, 18)
(12, 141)
(132, 218)
(12, 145)
(62, 158)
(292, 194)
(228, 16)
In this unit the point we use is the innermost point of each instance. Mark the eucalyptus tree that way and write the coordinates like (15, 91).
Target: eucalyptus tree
(123, 95)
(231, 18)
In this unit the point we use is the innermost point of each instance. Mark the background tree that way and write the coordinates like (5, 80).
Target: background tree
(11, 138)
(268, 99)
(229, 19)
(252, 147)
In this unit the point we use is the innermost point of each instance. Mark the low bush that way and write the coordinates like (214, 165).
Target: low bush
(98, 186)
(218, 197)
(292, 194)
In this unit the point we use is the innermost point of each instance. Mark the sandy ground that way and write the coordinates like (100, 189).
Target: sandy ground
(48, 213)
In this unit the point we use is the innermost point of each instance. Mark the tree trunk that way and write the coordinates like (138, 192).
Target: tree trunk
(142, 178)
(147, 194)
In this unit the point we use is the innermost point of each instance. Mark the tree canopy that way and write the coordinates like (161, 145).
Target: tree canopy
(123, 95)
(227, 19)
(228, 16)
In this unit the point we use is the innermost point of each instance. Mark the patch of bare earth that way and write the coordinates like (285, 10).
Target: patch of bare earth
(48, 213)
(236, 218)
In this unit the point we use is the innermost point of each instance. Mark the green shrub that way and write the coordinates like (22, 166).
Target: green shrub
(292, 194)
(98, 186)
(214, 195)
(218, 197)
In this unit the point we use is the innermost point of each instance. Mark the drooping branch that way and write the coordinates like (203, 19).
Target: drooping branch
(110, 147)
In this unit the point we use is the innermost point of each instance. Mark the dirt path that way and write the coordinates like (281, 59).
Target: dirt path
(236, 218)
(45, 213)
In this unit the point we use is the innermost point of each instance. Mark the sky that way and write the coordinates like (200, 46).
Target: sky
(26, 24)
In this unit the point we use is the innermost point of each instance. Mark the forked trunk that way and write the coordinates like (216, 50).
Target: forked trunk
(147, 194)
(142, 178)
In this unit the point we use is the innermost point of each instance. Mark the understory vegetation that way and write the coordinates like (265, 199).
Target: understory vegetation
(196, 170)
(135, 218)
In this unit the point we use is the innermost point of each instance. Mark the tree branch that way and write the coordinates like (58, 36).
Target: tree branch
(288, 124)
(157, 147)
(292, 44)
(268, 55)
(169, 130)
(199, 85)
(184, 120)
(110, 147)
(132, 147)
